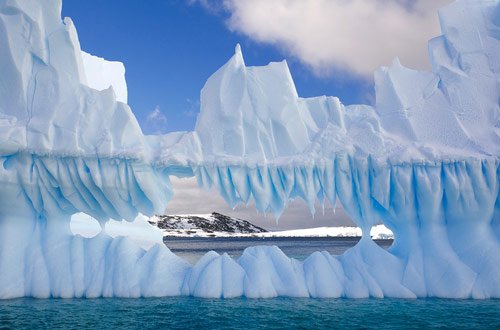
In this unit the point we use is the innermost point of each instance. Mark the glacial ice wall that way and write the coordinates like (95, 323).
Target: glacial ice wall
(424, 160)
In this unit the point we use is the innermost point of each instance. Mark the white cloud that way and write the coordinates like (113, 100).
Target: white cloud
(348, 35)
(190, 199)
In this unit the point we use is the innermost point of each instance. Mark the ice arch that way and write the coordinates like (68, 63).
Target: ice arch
(424, 160)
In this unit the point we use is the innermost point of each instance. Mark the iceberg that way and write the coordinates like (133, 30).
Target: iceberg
(424, 161)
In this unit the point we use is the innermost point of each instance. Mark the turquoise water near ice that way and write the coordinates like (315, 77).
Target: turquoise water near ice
(242, 313)
(279, 313)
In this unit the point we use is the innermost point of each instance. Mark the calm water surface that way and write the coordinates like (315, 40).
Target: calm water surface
(192, 249)
(242, 313)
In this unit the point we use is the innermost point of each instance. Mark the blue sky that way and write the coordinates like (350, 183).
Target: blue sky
(170, 48)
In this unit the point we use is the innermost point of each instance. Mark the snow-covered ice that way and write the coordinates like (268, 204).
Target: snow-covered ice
(424, 161)
(376, 232)
(100, 74)
(140, 231)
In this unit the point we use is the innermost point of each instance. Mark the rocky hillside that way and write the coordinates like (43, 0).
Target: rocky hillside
(203, 225)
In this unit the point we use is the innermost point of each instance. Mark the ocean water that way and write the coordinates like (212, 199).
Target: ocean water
(243, 313)
(194, 248)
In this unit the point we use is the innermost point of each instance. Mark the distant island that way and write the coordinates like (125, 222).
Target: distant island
(213, 224)
(220, 225)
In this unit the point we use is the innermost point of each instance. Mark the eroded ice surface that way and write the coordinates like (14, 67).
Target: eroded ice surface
(424, 161)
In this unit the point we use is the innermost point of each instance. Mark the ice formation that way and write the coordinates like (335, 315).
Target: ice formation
(424, 161)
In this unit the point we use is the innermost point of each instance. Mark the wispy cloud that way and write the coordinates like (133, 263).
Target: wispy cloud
(157, 120)
(156, 115)
(354, 36)
(213, 6)
(193, 108)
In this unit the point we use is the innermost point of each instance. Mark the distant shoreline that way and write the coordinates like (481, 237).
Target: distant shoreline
(274, 238)
(379, 232)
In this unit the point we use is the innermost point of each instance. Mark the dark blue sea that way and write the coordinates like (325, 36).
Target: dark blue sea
(242, 313)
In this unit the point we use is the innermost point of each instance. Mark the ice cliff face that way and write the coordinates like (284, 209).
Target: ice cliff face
(46, 107)
(424, 161)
